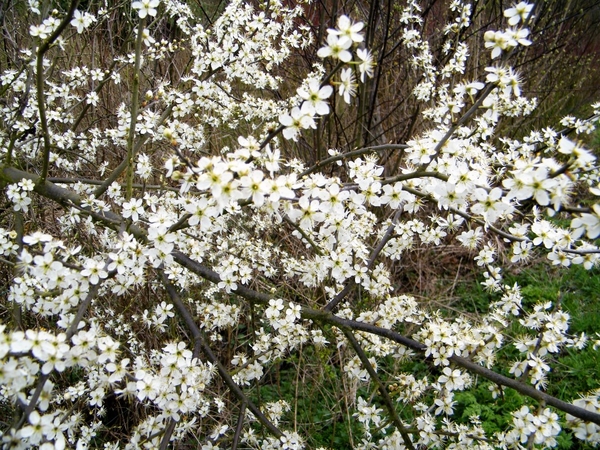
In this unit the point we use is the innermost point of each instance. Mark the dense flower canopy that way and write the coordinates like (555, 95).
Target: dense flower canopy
(171, 234)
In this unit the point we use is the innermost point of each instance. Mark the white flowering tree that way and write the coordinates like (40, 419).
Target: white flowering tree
(177, 229)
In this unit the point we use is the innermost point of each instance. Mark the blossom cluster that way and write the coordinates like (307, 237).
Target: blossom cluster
(340, 42)
(586, 431)
(26, 355)
(18, 194)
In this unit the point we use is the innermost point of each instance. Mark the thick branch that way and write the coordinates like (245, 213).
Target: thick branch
(164, 442)
(465, 363)
(200, 339)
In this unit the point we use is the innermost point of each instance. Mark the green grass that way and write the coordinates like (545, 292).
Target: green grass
(573, 371)
(312, 395)
(578, 291)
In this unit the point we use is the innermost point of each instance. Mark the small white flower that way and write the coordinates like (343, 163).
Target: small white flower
(348, 29)
(133, 209)
(366, 65)
(92, 98)
(81, 21)
(146, 7)
(337, 47)
(298, 119)
(314, 96)
(347, 87)
(517, 13)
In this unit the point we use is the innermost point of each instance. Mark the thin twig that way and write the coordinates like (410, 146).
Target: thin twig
(387, 400)
(135, 95)
(357, 152)
(44, 47)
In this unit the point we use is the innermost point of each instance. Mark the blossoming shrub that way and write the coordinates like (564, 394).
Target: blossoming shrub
(168, 253)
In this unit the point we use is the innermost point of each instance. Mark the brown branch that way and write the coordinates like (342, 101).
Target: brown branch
(387, 400)
(201, 341)
(164, 442)
(238, 428)
(465, 363)
(360, 151)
